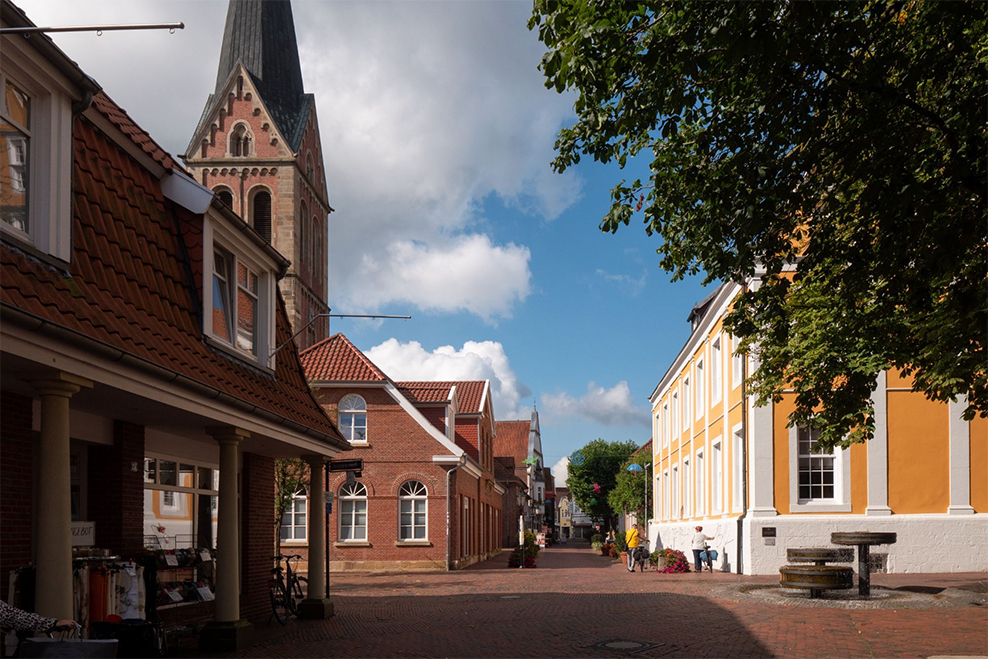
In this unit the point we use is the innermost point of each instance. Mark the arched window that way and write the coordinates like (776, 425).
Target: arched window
(239, 141)
(353, 513)
(353, 418)
(310, 171)
(260, 214)
(303, 236)
(225, 196)
(412, 511)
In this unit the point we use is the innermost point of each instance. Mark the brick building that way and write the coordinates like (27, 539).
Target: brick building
(143, 404)
(427, 498)
(510, 453)
(257, 147)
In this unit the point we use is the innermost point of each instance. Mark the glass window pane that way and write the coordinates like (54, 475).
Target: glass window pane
(286, 533)
(419, 519)
(18, 105)
(406, 519)
(246, 320)
(406, 533)
(150, 470)
(168, 472)
(205, 478)
(186, 476)
(221, 309)
(14, 168)
(420, 533)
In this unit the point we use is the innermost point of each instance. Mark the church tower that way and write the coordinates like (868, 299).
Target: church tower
(257, 146)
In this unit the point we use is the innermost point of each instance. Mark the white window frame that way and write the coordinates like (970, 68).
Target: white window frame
(700, 483)
(349, 498)
(841, 502)
(217, 234)
(299, 497)
(687, 489)
(665, 424)
(699, 384)
(687, 402)
(347, 406)
(676, 431)
(737, 471)
(716, 477)
(50, 155)
(737, 365)
(666, 498)
(409, 494)
(715, 369)
(677, 509)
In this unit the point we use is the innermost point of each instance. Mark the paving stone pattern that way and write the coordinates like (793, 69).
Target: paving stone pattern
(577, 604)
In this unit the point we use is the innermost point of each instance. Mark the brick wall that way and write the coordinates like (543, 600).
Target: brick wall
(16, 449)
(257, 508)
(116, 490)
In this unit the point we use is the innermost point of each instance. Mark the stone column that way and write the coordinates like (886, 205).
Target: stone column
(878, 452)
(315, 605)
(227, 631)
(960, 459)
(54, 548)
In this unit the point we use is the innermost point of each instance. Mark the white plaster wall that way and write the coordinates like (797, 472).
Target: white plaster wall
(679, 535)
(925, 543)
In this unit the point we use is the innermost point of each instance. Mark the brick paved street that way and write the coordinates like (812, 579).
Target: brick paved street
(575, 599)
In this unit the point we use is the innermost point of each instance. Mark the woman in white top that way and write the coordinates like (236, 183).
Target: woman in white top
(699, 544)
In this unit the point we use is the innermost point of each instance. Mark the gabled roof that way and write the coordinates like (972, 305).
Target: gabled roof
(511, 440)
(469, 394)
(260, 34)
(337, 359)
(130, 286)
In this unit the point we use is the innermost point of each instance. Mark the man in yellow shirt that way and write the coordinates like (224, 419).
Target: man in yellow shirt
(631, 539)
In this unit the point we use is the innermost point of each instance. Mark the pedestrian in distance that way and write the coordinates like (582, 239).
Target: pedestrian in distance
(699, 544)
(631, 539)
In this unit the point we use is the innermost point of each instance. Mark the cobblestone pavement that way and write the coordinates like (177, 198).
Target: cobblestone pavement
(577, 604)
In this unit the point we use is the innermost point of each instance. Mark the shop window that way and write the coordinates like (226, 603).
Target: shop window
(353, 513)
(353, 419)
(412, 509)
(293, 522)
(180, 524)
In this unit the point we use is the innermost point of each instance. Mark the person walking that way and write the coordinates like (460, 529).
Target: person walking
(631, 539)
(699, 544)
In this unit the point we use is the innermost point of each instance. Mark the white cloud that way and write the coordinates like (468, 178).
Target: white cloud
(476, 360)
(633, 286)
(608, 407)
(426, 110)
(560, 471)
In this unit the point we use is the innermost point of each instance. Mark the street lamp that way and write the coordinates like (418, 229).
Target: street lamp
(634, 467)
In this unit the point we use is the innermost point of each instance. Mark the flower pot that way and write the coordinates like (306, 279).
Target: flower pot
(624, 557)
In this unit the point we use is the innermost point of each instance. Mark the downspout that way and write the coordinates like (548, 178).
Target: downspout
(744, 456)
(449, 474)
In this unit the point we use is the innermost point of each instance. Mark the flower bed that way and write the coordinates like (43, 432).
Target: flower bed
(670, 561)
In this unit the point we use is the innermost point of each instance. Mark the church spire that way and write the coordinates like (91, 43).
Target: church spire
(261, 35)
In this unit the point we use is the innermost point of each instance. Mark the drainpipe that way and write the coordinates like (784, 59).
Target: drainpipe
(744, 456)
(463, 461)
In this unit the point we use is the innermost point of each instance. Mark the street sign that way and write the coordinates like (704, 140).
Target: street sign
(346, 465)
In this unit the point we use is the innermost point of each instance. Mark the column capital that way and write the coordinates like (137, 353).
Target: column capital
(315, 459)
(228, 434)
(60, 383)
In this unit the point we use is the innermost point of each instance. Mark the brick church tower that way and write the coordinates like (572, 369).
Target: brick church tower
(257, 145)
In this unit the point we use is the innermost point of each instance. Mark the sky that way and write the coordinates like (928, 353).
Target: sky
(437, 133)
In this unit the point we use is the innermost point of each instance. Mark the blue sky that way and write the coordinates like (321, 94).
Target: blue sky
(437, 133)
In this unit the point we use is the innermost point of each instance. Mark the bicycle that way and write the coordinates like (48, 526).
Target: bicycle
(707, 557)
(641, 557)
(286, 588)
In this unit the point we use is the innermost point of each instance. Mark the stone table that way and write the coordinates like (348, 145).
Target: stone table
(863, 540)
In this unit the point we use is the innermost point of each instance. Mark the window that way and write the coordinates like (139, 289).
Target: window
(677, 512)
(240, 141)
(737, 473)
(225, 196)
(666, 510)
(15, 153)
(737, 365)
(260, 214)
(716, 479)
(675, 414)
(700, 382)
(303, 236)
(715, 371)
(816, 467)
(412, 511)
(701, 481)
(293, 522)
(686, 403)
(179, 504)
(353, 513)
(235, 298)
(665, 424)
(687, 490)
(353, 419)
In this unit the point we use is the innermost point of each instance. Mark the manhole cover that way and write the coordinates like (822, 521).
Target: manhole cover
(624, 646)
(510, 597)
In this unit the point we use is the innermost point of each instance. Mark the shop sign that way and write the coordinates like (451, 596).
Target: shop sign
(83, 534)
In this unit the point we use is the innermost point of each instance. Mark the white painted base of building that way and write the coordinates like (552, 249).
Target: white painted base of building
(926, 543)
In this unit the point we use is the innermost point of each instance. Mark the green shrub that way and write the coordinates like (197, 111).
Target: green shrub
(596, 538)
(620, 544)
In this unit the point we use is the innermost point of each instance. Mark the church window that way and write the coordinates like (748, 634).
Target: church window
(260, 214)
(303, 234)
(240, 141)
(225, 196)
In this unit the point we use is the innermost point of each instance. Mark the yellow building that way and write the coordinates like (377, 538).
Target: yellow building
(759, 488)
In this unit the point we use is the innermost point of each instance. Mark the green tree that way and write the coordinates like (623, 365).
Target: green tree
(597, 463)
(291, 476)
(838, 150)
(629, 493)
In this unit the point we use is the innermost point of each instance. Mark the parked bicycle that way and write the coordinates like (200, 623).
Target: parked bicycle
(707, 557)
(642, 557)
(286, 588)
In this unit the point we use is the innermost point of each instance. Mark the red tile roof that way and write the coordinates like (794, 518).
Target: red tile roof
(511, 440)
(469, 394)
(129, 287)
(337, 359)
(119, 118)
(644, 449)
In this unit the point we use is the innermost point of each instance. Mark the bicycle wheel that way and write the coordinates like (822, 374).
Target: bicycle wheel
(279, 602)
(301, 588)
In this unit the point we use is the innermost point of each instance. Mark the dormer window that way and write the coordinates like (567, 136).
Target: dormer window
(15, 143)
(234, 302)
(240, 141)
